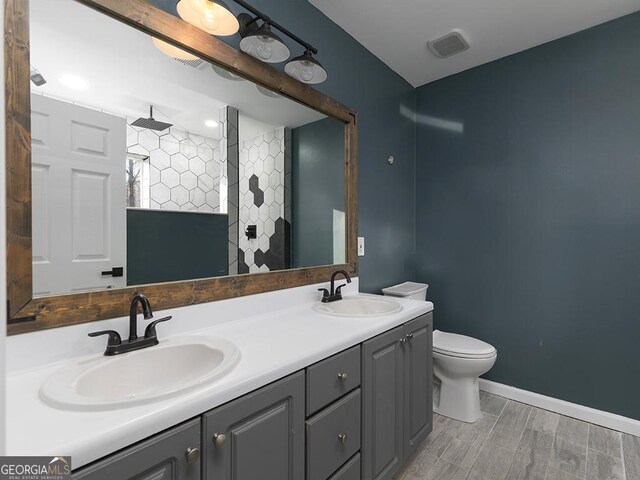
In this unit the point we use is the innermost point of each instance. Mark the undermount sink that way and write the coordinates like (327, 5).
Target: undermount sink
(154, 373)
(358, 307)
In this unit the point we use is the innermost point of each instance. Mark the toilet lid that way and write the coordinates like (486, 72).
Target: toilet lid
(461, 346)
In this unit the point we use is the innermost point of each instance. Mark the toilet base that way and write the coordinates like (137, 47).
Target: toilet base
(460, 400)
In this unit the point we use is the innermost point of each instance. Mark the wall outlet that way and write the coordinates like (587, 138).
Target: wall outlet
(361, 246)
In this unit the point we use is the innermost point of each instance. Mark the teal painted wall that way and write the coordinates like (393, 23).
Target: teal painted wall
(381, 98)
(528, 219)
(317, 188)
(168, 246)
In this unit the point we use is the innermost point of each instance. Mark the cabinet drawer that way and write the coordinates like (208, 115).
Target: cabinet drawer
(330, 379)
(349, 471)
(333, 436)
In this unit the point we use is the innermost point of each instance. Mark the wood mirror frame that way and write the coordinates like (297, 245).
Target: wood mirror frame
(29, 314)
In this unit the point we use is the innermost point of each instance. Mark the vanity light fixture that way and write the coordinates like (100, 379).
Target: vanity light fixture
(268, 93)
(262, 43)
(172, 50)
(212, 16)
(306, 69)
(259, 41)
(265, 45)
(226, 74)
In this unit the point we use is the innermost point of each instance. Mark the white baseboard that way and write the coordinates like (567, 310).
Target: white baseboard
(587, 414)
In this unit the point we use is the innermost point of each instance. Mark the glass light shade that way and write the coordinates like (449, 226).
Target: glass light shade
(226, 74)
(172, 50)
(306, 69)
(265, 45)
(211, 16)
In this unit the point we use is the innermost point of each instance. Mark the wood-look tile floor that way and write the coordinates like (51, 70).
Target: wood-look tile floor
(514, 441)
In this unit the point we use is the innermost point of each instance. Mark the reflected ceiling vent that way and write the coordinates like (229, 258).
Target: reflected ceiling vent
(196, 63)
(448, 45)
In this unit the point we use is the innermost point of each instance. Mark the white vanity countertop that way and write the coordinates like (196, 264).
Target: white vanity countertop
(273, 345)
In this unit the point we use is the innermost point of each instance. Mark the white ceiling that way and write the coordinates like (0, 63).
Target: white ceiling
(397, 31)
(126, 73)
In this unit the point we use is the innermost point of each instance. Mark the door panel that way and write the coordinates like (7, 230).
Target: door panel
(264, 434)
(162, 457)
(79, 190)
(382, 385)
(418, 395)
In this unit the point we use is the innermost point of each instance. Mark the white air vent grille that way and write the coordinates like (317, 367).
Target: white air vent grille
(197, 63)
(448, 45)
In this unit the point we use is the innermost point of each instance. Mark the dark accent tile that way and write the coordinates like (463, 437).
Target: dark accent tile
(242, 266)
(253, 183)
(258, 258)
(258, 197)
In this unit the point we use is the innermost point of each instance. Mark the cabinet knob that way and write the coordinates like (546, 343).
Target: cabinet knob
(193, 455)
(219, 439)
(342, 437)
(403, 340)
(342, 376)
(409, 336)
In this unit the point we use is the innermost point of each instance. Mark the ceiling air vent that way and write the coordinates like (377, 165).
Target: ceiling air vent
(448, 45)
(196, 63)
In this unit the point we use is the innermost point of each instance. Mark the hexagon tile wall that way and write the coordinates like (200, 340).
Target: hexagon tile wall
(184, 169)
(262, 203)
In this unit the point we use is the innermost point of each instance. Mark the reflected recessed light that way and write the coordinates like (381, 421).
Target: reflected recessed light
(211, 123)
(74, 82)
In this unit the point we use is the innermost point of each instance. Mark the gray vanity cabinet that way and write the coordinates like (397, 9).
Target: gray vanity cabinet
(260, 436)
(382, 389)
(171, 455)
(418, 374)
(397, 369)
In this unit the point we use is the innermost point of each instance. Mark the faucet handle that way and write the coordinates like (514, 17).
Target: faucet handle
(150, 331)
(338, 292)
(114, 337)
(325, 293)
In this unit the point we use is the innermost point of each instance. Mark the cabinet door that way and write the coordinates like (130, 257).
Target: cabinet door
(418, 380)
(382, 387)
(259, 436)
(172, 455)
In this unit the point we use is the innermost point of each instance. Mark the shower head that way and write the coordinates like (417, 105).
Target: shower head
(151, 123)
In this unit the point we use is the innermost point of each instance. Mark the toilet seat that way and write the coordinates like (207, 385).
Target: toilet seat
(461, 346)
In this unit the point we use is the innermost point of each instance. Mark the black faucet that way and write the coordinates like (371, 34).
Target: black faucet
(334, 294)
(116, 346)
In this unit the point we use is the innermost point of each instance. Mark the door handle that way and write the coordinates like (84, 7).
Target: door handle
(114, 272)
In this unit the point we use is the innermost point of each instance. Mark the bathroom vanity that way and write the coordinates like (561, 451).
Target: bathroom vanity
(362, 410)
(313, 397)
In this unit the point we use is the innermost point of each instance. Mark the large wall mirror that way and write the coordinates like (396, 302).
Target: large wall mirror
(180, 176)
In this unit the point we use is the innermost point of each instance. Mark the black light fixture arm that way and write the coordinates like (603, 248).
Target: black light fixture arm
(268, 20)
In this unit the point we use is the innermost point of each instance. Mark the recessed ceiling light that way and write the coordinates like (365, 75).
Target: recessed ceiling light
(211, 123)
(74, 82)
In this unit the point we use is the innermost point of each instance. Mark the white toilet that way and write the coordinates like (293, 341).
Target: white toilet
(458, 361)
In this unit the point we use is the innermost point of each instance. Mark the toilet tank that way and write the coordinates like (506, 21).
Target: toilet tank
(413, 290)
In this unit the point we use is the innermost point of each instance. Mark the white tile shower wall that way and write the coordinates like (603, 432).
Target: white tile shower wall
(262, 194)
(184, 170)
